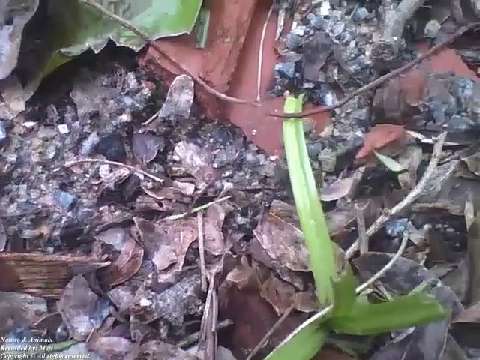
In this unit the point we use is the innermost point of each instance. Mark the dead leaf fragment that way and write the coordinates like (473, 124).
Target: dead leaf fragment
(145, 147)
(19, 311)
(82, 310)
(124, 267)
(337, 189)
(380, 136)
(278, 293)
(281, 238)
(167, 243)
(213, 225)
(179, 99)
(111, 347)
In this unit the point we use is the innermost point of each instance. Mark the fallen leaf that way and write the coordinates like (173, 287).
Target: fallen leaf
(469, 315)
(390, 163)
(166, 243)
(19, 311)
(337, 189)
(20, 12)
(86, 28)
(146, 146)
(82, 310)
(124, 267)
(111, 347)
(115, 236)
(278, 293)
(172, 305)
(179, 99)
(279, 235)
(213, 228)
(380, 136)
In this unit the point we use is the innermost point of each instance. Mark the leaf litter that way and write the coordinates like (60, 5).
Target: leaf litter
(118, 233)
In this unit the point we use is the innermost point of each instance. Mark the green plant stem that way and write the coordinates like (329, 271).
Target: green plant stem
(312, 218)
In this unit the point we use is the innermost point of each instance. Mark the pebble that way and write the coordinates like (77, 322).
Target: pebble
(63, 129)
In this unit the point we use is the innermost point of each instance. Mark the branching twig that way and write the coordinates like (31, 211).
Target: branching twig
(196, 209)
(128, 25)
(409, 199)
(387, 267)
(381, 80)
(133, 169)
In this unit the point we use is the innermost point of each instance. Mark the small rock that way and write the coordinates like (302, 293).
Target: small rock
(293, 41)
(360, 14)
(432, 28)
(29, 124)
(285, 70)
(64, 199)
(89, 144)
(63, 129)
(3, 131)
(112, 147)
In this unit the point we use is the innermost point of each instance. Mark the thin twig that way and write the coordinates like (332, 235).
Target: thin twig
(193, 338)
(381, 80)
(270, 332)
(361, 229)
(128, 25)
(408, 200)
(197, 209)
(201, 250)
(260, 52)
(133, 169)
(387, 267)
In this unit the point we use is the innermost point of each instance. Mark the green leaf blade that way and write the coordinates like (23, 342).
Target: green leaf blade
(304, 345)
(310, 212)
(399, 313)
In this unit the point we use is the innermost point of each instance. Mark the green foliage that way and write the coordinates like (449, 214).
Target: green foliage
(347, 313)
(73, 27)
(402, 312)
(390, 163)
(312, 219)
(304, 344)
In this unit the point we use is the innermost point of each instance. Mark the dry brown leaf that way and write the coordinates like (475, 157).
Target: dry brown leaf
(82, 310)
(337, 189)
(124, 267)
(166, 243)
(281, 238)
(146, 146)
(213, 225)
(278, 293)
(380, 136)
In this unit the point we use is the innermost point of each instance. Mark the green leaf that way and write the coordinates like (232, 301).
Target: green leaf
(303, 345)
(344, 293)
(310, 213)
(72, 27)
(399, 313)
(390, 163)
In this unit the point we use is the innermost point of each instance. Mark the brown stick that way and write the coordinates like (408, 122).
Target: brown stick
(408, 200)
(381, 80)
(128, 25)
